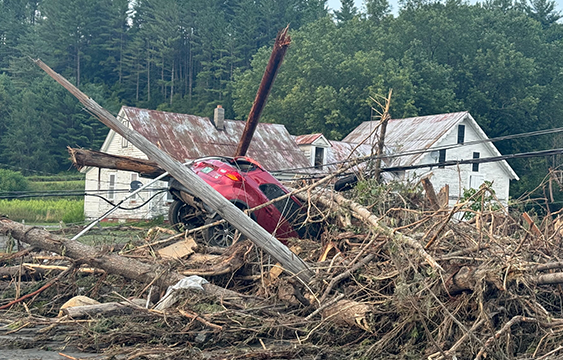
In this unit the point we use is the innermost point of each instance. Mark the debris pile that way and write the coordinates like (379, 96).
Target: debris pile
(395, 275)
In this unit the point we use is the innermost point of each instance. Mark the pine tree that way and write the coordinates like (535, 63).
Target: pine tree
(347, 11)
(378, 9)
(544, 12)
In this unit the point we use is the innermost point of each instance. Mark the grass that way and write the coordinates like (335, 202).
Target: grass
(44, 211)
(73, 185)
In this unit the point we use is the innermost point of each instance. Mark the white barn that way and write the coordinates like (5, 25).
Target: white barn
(184, 137)
(459, 132)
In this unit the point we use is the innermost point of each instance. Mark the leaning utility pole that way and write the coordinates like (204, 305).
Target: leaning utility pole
(278, 52)
(189, 179)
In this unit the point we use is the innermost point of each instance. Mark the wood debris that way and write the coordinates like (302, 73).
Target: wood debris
(483, 289)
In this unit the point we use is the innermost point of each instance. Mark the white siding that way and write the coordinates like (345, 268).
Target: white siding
(459, 177)
(95, 207)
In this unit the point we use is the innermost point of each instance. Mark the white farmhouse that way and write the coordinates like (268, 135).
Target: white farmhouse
(184, 137)
(458, 133)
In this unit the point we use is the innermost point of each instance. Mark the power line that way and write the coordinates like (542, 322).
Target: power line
(437, 148)
(26, 195)
(161, 191)
(348, 182)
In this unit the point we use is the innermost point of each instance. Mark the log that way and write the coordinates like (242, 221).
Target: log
(106, 309)
(351, 313)
(111, 263)
(190, 180)
(382, 229)
(214, 265)
(83, 158)
(546, 279)
(465, 279)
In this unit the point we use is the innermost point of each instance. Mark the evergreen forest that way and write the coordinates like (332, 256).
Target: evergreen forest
(501, 60)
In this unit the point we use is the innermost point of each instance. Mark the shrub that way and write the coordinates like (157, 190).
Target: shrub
(12, 181)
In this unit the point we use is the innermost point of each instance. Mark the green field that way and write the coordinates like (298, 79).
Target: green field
(44, 211)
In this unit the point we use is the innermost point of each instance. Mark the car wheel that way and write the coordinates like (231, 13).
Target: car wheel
(222, 235)
(184, 217)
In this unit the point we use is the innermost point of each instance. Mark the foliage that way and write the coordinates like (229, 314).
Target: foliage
(380, 197)
(482, 199)
(501, 61)
(12, 181)
(56, 178)
(44, 211)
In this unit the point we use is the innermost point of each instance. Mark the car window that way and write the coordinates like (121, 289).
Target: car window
(243, 165)
(289, 209)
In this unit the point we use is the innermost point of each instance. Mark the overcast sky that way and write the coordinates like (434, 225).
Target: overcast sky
(335, 4)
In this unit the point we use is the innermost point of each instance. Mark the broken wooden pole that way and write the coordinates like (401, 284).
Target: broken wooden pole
(278, 52)
(83, 158)
(381, 143)
(189, 179)
(430, 194)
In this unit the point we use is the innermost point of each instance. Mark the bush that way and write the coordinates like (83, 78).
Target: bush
(12, 181)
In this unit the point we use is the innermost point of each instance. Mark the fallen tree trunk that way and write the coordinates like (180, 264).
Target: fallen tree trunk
(83, 158)
(382, 229)
(106, 309)
(189, 179)
(467, 278)
(115, 264)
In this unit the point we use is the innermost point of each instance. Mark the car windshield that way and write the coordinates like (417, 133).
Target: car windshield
(243, 165)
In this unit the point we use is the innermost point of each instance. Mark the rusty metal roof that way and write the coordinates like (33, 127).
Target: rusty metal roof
(307, 139)
(408, 134)
(341, 151)
(187, 137)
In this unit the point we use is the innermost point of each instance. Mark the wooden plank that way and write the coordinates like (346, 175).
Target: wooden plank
(533, 226)
(189, 179)
(179, 249)
(82, 158)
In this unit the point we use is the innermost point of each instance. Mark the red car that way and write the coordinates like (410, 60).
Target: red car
(244, 183)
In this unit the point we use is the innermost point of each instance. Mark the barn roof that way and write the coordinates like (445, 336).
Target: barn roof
(307, 139)
(187, 137)
(415, 133)
(405, 135)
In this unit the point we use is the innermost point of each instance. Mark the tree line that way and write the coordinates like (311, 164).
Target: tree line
(500, 60)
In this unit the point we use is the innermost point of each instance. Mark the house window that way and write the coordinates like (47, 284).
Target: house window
(319, 157)
(442, 158)
(460, 134)
(134, 177)
(111, 187)
(476, 165)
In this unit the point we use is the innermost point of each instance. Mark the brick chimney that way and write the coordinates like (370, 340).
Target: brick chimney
(219, 117)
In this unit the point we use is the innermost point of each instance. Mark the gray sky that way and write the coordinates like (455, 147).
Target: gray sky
(335, 4)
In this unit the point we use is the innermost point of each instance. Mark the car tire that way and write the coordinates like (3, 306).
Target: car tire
(222, 235)
(184, 217)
